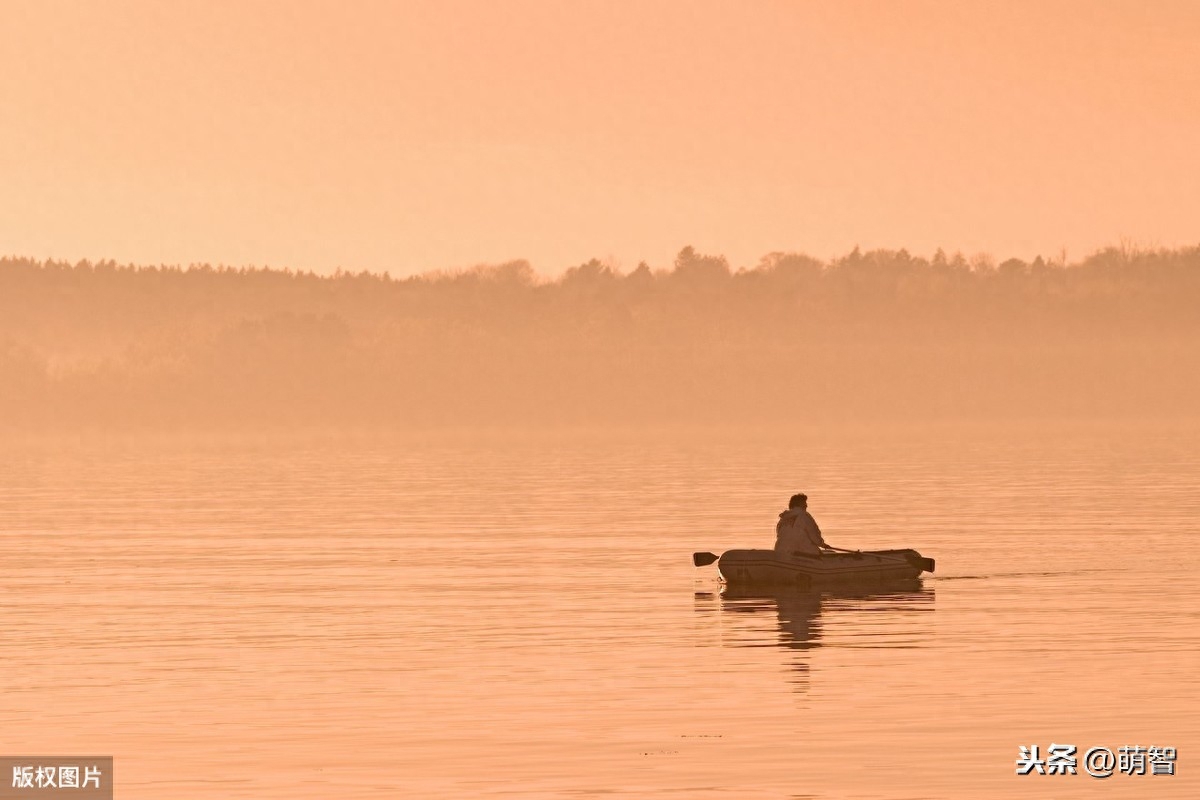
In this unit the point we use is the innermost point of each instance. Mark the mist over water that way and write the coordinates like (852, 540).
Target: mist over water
(877, 336)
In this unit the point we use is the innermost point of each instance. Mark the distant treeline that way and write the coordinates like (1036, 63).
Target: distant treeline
(876, 335)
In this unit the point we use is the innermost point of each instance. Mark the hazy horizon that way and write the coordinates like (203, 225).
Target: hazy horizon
(868, 337)
(1125, 246)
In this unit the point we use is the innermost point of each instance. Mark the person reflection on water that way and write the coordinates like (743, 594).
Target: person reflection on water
(796, 533)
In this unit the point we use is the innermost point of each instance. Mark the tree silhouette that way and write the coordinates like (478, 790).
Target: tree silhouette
(871, 334)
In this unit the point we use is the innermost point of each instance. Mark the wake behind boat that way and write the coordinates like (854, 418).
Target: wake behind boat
(843, 567)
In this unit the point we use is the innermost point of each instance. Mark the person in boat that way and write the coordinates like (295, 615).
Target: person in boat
(797, 533)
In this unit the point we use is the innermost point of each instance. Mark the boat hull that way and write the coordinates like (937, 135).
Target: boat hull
(768, 568)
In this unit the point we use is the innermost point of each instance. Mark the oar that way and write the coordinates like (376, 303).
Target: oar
(922, 562)
(703, 559)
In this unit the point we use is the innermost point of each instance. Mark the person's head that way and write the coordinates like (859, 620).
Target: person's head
(798, 501)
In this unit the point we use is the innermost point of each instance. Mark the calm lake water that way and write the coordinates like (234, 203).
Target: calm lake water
(506, 618)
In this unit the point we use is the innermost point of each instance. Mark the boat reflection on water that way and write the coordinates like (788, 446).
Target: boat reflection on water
(880, 616)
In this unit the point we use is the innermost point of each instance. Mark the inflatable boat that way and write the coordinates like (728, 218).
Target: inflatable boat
(768, 568)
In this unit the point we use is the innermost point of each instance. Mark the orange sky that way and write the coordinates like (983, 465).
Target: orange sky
(413, 136)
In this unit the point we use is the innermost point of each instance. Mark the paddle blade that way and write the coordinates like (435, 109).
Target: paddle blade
(703, 559)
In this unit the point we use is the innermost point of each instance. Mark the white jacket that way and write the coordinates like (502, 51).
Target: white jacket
(797, 532)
